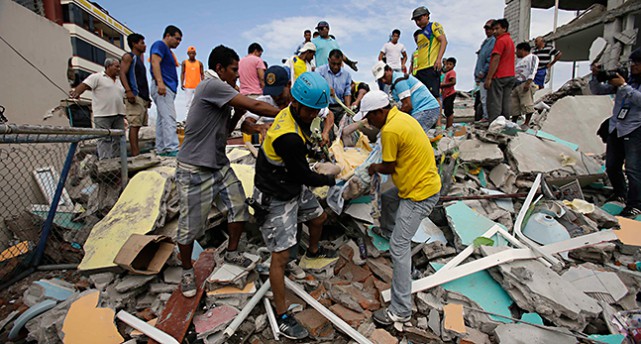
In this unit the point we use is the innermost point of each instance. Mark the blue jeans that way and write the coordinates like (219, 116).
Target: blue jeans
(403, 216)
(427, 118)
(539, 78)
(166, 137)
(625, 149)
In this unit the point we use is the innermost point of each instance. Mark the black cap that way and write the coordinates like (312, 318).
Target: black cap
(322, 24)
(636, 55)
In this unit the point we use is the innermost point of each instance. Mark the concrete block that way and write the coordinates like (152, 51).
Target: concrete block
(131, 282)
(172, 274)
(481, 153)
(591, 282)
(526, 334)
(102, 280)
(382, 268)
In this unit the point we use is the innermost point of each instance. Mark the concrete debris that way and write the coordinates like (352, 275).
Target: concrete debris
(525, 334)
(214, 320)
(481, 153)
(601, 285)
(131, 282)
(536, 288)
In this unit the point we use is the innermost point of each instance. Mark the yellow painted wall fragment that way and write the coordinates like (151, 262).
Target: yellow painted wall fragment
(85, 323)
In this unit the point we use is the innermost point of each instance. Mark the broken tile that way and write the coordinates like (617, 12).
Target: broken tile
(378, 241)
(214, 320)
(380, 336)
(630, 232)
(352, 318)
(143, 196)
(526, 334)
(468, 224)
(481, 288)
(532, 318)
(597, 282)
(229, 291)
(453, 318)
(353, 272)
(608, 338)
(317, 325)
(84, 311)
(227, 274)
(29, 314)
(428, 233)
(536, 288)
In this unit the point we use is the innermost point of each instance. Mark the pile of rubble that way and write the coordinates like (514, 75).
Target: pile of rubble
(522, 249)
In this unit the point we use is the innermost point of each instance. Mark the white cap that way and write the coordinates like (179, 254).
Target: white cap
(372, 100)
(307, 47)
(378, 70)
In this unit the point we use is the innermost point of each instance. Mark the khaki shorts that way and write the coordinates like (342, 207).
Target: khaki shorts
(137, 113)
(523, 100)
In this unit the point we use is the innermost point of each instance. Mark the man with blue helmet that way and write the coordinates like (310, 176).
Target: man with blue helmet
(281, 197)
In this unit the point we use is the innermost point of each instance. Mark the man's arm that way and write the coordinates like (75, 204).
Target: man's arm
(441, 51)
(380, 56)
(202, 71)
(182, 75)
(557, 57)
(125, 64)
(79, 90)
(599, 88)
(383, 168)
(494, 65)
(328, 125)
(258, 107)
(631, 95)
(403, 59)
(261, 77)
(155, 67)
(293, 151)
(406, 105)
(449, 83)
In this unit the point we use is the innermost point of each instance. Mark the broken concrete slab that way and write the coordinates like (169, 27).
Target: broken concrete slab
(480, 153)
(380, 336)
(536, 288)
(84, 311)
(227, 274)
(526, 334)
(131, 282)
(55, 289)
(550, 156)
(468, 224)
(144, 197)
(381, 268)
(602, 285)
(428, 233)
(480, 288)
(214, 320)
(173, 274)
(503, 178)
(585, 113)
(353, 319)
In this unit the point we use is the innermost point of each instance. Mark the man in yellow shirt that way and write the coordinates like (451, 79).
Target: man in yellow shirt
(431, 42)
(409, 158)
(303, 62)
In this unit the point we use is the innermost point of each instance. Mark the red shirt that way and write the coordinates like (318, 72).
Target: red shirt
(504, 46)
(448, 90)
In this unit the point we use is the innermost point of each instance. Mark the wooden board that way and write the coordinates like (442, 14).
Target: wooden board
(179, 311)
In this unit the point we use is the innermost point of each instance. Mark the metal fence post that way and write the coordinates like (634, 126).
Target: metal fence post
(46, 227)
(123, 161)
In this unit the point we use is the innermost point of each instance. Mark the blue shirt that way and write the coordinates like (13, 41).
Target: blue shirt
(421, 98)
(629, 97)
(483, 58)
(323, 47)
(167, 65)
(341, 82)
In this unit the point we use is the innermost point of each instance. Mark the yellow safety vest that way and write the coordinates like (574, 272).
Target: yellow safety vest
(284, 123)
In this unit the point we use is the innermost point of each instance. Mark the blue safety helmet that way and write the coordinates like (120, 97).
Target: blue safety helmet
(311, 90)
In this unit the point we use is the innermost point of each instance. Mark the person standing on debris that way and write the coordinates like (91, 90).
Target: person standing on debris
(191, 74)
(414, 97)
(500, 77)
(523, 93)
(431, 47)
(281, 197)
(307, 35)
(409, 158)
(548, 56)
(483, 64)
(325, 44)
(394, 53)
(624, 134)
(303, 62)
(340, 83)
(133, 76)
(164, 88)
(251, 72)
(204, 175)
(107, 105)
(449, 91)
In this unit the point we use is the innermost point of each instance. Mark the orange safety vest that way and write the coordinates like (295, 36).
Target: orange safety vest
(192, 73)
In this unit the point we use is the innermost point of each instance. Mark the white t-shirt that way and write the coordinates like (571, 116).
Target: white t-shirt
(107, 95)
(269, 100)
(525, 68)
(393, 54)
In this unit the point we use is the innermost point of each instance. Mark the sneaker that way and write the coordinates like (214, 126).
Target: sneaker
(169, 154)
(630, 212)
(323, 258)
(384, 317)
(238, 259)
(290, 328)
(188, 283)
(295, 270)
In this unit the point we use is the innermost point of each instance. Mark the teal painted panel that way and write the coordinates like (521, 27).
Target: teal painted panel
(608, 338)
(481, 288)
(548, 136)
(469, 224)
(532, 318)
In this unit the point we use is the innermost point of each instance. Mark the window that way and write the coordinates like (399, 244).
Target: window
(76, 15)
(88, 52)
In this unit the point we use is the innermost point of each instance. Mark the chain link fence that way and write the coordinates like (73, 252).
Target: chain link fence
(53, 189)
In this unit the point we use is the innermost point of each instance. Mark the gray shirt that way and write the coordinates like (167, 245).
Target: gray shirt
(629, 97)
(207, 126)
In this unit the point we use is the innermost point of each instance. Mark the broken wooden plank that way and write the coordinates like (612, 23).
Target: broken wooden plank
(179, 311)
